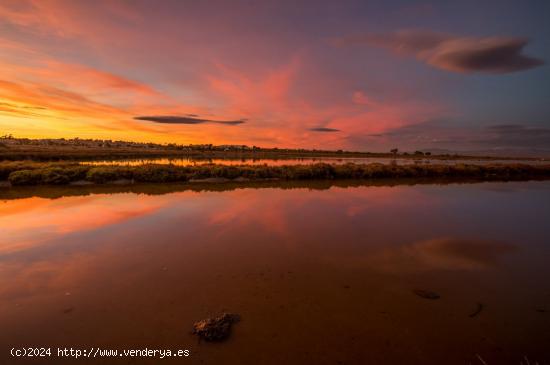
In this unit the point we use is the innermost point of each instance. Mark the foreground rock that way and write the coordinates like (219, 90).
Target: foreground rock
(426, 294)
(215, 329)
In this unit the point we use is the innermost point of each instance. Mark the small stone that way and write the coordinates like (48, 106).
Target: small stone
(426, 294)
(215, 329)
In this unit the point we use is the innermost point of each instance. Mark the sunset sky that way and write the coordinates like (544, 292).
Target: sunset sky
(360, 75)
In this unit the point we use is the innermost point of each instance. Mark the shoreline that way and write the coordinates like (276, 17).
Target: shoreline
(58, 191)
(117, 155)
(22, 173)
(13, 149)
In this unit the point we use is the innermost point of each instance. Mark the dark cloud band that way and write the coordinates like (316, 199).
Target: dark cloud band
(324, 129)
(170, 119)
(496, 55)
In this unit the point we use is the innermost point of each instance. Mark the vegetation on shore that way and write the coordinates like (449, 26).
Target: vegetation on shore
(36, 173)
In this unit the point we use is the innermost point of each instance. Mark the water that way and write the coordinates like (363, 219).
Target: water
(301, 161)
(318, 276)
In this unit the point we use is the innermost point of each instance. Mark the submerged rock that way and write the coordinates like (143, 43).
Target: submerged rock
(215, 329)
(478, 310)
(426, 294)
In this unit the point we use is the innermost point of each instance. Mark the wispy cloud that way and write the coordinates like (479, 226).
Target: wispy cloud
(170, 119)
(495, 55)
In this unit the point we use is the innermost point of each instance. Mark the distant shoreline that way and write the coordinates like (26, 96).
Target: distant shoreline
(20, 173)
(121, 154)
(13, 149)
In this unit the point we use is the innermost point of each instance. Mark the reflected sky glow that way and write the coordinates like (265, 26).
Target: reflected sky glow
(134, 269)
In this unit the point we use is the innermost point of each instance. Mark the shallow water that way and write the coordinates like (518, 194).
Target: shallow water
(300, 161)
(318, 276)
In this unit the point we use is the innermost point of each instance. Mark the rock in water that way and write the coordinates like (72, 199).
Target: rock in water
(426, 294)
(215, 329)
(477, 311)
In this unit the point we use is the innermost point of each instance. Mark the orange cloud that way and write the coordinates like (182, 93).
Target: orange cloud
(80, 76)
(45, 96)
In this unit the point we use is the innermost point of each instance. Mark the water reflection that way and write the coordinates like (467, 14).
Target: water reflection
(189, 161)
(28, 222)
(305, 268)
(443, 254)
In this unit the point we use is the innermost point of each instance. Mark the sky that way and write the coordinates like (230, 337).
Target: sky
(355, 75)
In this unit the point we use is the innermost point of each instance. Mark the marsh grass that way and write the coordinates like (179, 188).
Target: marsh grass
(36, 173)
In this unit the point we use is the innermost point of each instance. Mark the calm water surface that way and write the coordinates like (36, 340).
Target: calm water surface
(318, 276)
